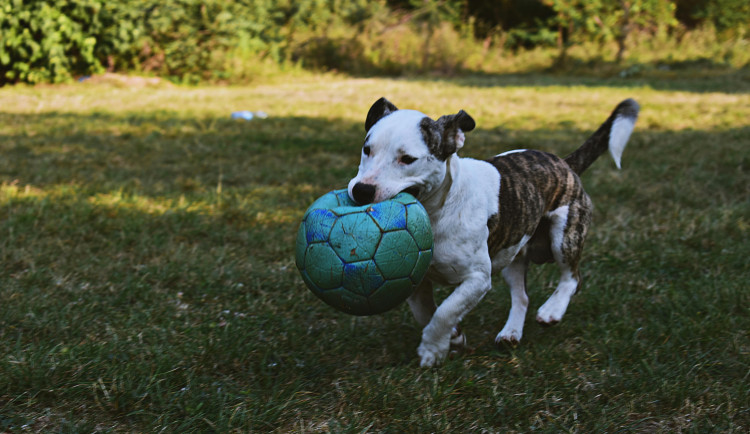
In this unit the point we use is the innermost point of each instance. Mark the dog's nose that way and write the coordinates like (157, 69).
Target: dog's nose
(363, 193)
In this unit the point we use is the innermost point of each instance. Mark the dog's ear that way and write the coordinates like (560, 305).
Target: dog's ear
(453, 128)
(379, 110)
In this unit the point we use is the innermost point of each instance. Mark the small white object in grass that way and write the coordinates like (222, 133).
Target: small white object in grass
(248, 115)
(244, 114)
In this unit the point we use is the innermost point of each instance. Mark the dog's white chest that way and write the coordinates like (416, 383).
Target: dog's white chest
(460, 226)
(453, 258)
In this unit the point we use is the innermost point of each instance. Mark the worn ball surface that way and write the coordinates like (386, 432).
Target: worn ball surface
(364, 260)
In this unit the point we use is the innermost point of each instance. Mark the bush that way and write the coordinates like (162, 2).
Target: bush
(388, 44)
(188, 40)
(45, 41)
(52, 41)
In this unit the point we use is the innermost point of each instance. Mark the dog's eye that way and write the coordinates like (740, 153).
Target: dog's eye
(366, 150)
(407, 159)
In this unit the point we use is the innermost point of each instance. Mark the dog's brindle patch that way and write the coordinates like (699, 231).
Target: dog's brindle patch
(432, 137)
(440, 136)
(532, 184)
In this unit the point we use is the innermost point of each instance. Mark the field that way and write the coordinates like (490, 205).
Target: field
(147, 279)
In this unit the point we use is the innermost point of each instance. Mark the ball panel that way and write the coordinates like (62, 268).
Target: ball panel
(420, 268)
(418, 225)
(405, 198)
(318, 224)
(342, 196)
(362, 277)
(344, 210)
(355, 237)
(396, 255)
(310, 284)
(323, 266)
(390, 295)
(327, 201)
(389, 215)
(300, 246)
(346, 301)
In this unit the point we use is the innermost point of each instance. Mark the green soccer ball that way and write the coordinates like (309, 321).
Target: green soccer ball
(364, 260)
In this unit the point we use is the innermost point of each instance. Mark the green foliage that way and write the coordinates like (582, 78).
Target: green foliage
(185, 38)
(580, 21)
(433, 12)
(47, 41)
(189, 40)
(729, 16)
(216, 40)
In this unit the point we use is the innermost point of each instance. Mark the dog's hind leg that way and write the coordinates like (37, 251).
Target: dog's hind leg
(568, 228)
(552, 311)
(515, 276)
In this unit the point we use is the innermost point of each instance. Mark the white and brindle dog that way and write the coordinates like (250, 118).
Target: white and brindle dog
(486, 216)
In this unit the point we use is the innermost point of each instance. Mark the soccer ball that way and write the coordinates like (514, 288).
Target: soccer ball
(364, 260)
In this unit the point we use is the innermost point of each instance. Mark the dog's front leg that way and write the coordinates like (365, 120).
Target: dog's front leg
(422, 304)
(436, 336)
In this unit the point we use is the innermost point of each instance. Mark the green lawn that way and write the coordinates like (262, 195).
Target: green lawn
(147, 278)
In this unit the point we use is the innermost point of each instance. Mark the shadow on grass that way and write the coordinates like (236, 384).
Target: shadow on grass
(730, 83)
(697, 76)
(168, 153)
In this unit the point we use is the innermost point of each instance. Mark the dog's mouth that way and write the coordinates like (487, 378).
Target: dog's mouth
(413, 190)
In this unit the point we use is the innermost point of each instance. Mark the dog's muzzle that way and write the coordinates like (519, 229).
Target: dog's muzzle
(363, 193)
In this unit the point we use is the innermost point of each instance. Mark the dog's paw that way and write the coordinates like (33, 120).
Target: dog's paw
(508, 335)
(429, 357)
(550, 314)
(432, 355)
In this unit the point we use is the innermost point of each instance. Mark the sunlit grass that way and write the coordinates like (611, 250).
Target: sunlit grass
(147, 278)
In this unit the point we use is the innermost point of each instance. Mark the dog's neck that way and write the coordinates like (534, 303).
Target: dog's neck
(435, 199)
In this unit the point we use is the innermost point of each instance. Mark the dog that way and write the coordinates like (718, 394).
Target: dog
(488, 216)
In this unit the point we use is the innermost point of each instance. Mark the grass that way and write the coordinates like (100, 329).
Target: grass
(148, 284)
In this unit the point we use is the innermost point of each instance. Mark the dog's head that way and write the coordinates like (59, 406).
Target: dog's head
(405, 150)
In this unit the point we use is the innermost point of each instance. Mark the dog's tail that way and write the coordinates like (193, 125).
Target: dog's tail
(613, 135)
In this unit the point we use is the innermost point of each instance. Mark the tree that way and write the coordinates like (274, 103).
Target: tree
(653, 16)
(730, 17)
(606, 20)
(431, 13)
(575, 21)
